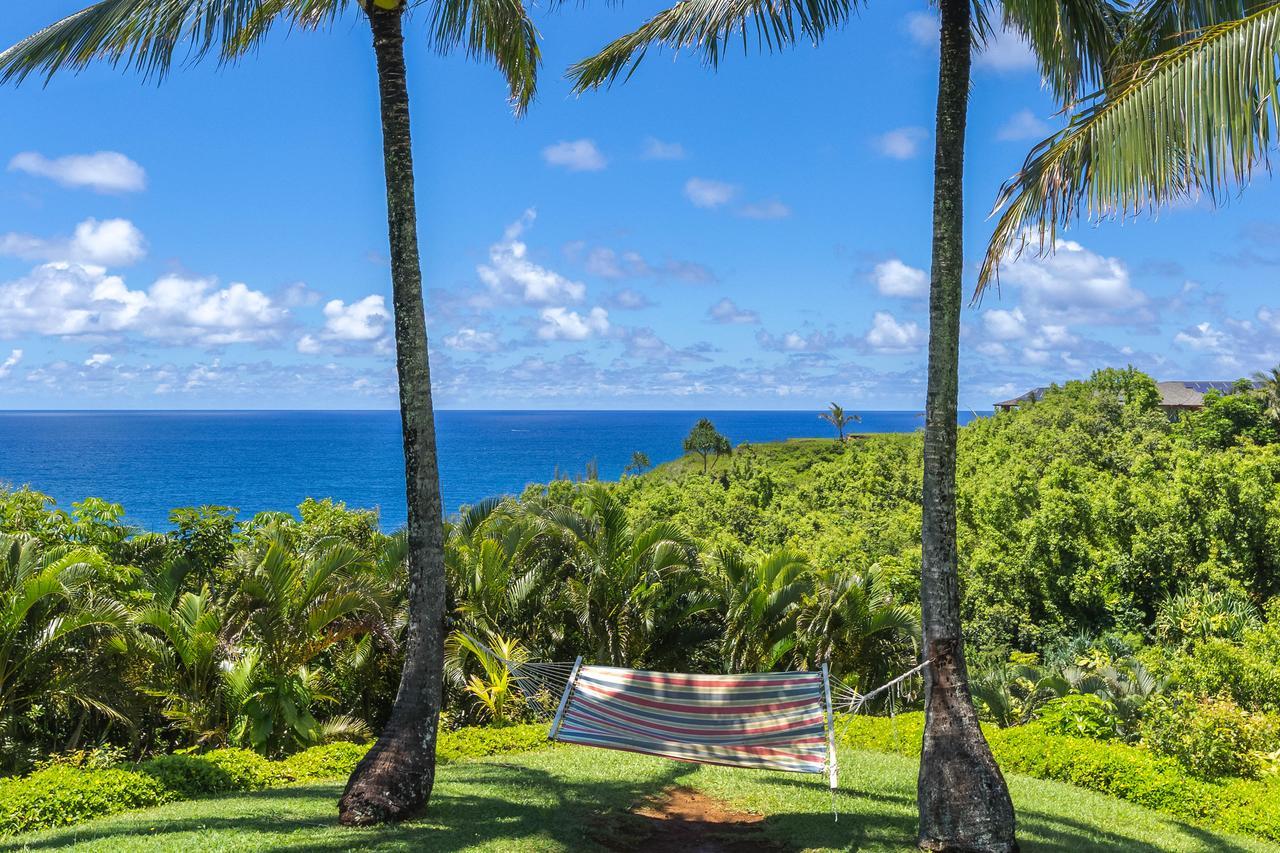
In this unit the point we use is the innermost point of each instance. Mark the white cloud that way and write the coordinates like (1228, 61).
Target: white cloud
(561, 324)
(1202, 337)
(181, 307)
(472, 340)
(894, 278)
(105, 171)
(923, 28)
(310, 345)
(630, 300)
(1076, 286)
(888, 335)
(111, 242)
(1022, 125)
(10, 363)
(510, 273)
(656, 149)
(768, 209)
(1005, 51)
(363, 320)
(708, 193)
(98, 359)
(726, 311)
(69, 299)
(579, 155)
(902, 143)
(607, 263)
(1005, 325)
(1271, 317)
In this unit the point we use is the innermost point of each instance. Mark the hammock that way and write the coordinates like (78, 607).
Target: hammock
(771, 721)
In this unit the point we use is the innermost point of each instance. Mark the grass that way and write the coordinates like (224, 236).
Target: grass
(786, 460)
(571, 798)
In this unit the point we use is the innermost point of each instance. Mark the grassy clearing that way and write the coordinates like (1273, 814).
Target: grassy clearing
(573, 798)
(786, 460)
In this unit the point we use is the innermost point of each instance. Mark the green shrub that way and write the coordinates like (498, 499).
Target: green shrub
(62, 795)
(903, 733)
(1210, 737)
(477, 742)
(331, 761)
(1129, 772)
(247, 770)
(189, 776)
(1080, 715)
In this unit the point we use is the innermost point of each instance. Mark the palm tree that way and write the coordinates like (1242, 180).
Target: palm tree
(838, 419)
(963, 800)
(394, 780)
(1189, 107)
(53, 624)
(1268, 389)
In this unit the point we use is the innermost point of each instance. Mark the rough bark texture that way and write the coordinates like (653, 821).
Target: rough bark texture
(964, 803)
(394, 780)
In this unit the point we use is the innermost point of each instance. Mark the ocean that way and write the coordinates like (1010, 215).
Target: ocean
(154, 461)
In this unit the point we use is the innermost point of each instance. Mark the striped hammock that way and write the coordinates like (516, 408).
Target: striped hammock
(774, 721)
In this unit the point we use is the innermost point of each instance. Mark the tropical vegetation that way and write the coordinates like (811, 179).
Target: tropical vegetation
(1120, 584)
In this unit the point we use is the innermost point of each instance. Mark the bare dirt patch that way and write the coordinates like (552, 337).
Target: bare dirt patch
(681, 819)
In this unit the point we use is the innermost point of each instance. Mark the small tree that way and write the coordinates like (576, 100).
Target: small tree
(838, 419)
(705, 441)
(639, 463)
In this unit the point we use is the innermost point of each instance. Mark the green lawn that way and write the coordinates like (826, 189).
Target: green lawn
(785, 460)
(570, 798)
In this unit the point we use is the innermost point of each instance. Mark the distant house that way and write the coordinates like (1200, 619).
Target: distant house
(1176, 396)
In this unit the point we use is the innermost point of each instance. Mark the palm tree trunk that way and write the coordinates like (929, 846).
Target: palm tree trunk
(394, 780)
(963, 801)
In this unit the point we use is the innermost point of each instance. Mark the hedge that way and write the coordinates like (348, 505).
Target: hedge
(1117, 769)
(59, 796)
(62, 795)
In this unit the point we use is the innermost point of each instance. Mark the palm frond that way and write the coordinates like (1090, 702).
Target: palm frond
(1073, 40)
(1197, 120)
(141, 34)
(707, 27)
(499, 30)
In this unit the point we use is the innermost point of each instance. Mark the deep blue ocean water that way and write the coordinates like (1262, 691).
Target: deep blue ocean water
(153, 461)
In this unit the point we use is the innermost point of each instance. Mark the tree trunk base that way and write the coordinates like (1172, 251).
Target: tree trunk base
(964, 803)
(390, 784)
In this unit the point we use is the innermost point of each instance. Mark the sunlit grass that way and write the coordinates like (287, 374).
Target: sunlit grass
(571, 798)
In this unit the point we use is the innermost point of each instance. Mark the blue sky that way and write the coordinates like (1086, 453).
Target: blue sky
(752, 238)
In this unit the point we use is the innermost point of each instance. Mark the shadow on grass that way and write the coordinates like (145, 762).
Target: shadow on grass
(1037, 830)
(572, 815)
(568, 813)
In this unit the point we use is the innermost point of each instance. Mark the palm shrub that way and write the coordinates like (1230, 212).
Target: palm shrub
(760, 602)
(294, 605)
(1203, 614)
(635, 594)
(55, 628)
(853, 622)
(492, 688)
(184, 641)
